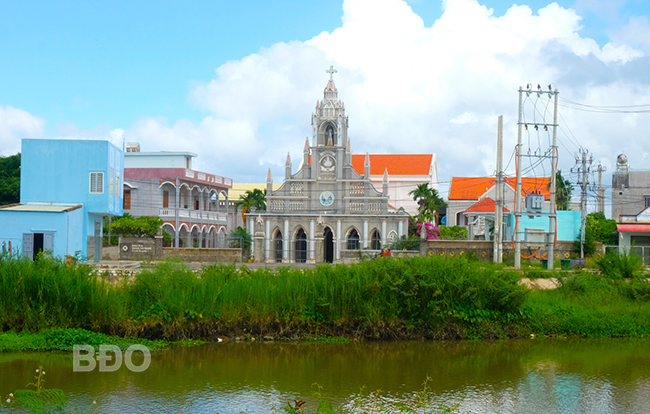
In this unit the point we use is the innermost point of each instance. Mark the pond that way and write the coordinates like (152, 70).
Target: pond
(513, 376)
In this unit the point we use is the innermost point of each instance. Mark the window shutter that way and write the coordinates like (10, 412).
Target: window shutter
(96, 182)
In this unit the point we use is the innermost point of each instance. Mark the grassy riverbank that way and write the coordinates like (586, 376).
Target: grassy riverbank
(64, 339)
(431, 298)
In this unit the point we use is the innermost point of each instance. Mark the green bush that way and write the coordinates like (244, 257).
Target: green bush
(453, 232)
(622, 265)
(143, 226)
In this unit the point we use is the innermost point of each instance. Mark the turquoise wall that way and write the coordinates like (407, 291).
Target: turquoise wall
(568, 224)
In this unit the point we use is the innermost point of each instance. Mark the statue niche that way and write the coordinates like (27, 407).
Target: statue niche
(330, 138)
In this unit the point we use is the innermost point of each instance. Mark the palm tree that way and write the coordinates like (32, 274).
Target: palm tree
(255, 198)
(429, 202)
(563, 189)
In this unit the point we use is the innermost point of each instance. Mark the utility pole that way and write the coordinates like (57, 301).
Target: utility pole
(498, 203)
(552, 215)
(583, 180)
(517, 229)
(601, 190)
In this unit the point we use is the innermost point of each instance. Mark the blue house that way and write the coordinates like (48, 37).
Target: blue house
(67, 186)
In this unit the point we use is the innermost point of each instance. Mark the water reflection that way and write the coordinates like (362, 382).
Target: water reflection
(579, 376)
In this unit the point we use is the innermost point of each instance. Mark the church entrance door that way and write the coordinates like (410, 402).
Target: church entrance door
(328, 245)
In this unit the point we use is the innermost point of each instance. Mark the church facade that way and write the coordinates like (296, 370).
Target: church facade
(326, 211)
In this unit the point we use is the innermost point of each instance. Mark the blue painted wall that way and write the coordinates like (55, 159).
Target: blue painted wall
(58, 171)
(67, 228)
(568, 224)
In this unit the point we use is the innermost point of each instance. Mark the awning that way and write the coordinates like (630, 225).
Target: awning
(633, 228)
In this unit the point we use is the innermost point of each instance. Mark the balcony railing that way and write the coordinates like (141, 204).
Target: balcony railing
(194, 215)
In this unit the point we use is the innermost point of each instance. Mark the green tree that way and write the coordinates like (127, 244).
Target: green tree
(10, 179)
(429, 202)
(255, 198)
(129, 226)
(241, 239)
(563, 189)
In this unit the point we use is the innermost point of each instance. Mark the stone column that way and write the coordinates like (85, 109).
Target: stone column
(337, 242)
(267, 241)
(400, 229)
(312, 241)
(365, 234)
(383, 233)
(258, 243)
(285, 244)
(177, 203)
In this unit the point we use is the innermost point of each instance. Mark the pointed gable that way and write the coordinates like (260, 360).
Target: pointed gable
(484, 205)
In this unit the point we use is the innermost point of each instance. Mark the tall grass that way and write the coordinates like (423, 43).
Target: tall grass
(592, 305)
(419, 291)
(405, 298)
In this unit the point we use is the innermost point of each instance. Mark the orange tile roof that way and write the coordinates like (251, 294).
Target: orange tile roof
(471, 188)
(484, 205)
(397, 164)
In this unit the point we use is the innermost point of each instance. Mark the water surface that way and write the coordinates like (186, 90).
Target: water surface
(514, 376)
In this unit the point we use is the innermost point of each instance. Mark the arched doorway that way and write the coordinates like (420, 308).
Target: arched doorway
(277, 246)
(328, 245)
(301, 247)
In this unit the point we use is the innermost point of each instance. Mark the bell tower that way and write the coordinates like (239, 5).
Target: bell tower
(329, 133)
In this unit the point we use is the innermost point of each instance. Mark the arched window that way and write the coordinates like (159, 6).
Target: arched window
(375, 240)
(301, 247)
(278, 246)
(353, 240)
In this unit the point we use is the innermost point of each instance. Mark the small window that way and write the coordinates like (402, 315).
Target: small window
(96, 183)
(127, 200)
(647, 201)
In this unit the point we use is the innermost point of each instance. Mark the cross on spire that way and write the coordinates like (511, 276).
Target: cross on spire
(331, 71)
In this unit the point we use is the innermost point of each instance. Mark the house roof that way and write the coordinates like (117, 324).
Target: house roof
(43, 208)
(471, 188)
(240, 188)
(396, 164)
(633, 228)
(484, 205)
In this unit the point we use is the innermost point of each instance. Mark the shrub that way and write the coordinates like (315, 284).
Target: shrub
(453, 232)
(622, 265)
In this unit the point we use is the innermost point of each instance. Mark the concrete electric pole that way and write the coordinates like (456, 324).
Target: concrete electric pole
(583, 171)
(552, 154)
(601, 191)
(498, 202)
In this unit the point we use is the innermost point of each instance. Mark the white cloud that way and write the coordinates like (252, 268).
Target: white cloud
(636, 33)
(409, 88)
(16, 124)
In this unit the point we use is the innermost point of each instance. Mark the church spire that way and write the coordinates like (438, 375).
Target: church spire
(287, 167)
(269, 183)
(366, 164)
(305, 156)
(385, 182)
(330, 92)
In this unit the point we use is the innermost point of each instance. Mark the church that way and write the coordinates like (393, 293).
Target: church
(326, 211)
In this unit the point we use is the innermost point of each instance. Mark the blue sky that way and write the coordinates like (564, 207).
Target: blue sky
(236, 81)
